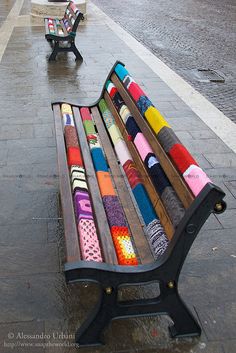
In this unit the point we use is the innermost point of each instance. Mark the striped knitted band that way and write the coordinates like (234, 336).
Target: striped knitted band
(79, 185)
(156, 237)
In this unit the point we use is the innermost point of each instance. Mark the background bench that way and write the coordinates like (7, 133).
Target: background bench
(64, 31)
(133, 201)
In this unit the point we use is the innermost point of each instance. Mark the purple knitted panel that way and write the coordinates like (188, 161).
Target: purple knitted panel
(114, 211)
(83, 208)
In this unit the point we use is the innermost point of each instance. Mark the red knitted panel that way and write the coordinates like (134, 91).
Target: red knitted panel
(85, 114)
(181, 157)
(113, 92)
(132, 173)
(74, 156)
(135, 91)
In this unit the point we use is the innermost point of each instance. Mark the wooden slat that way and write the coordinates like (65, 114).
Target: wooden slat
(176, 180)
(139, 237)
(103, 227)
(70, 227)
(156, 201)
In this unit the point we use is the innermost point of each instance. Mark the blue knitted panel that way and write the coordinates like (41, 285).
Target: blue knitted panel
(121, 71)
(99, 160)
(144, 204)
(143, 104)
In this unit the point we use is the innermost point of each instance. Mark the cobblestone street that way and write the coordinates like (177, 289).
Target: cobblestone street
(186, 35)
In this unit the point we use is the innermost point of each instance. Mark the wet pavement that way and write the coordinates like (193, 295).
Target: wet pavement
(187, 35)
(34, 299)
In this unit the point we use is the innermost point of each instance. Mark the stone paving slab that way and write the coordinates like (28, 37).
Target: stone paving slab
(34, 295)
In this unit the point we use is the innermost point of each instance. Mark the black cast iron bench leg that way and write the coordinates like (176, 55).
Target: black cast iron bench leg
(91, 330)
(54, 52)
(108, 308)
(185, 325)
(76, 52)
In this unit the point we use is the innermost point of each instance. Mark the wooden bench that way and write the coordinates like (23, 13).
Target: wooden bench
(64, 31)
(132, 208)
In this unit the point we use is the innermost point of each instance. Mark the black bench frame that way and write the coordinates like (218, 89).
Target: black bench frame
(110, 277)
(68, 38)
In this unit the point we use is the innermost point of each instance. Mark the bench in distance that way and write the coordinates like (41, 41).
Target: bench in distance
(63, 31)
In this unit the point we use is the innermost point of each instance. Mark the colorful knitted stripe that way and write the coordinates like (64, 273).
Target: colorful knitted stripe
(159, 179)
(88, 238)
(195, 177)
(113, 209)
(51, 24)
(73, 7)
(67, 25)
(134, 178)
(55, 26)
(126, 160)
(68, 15)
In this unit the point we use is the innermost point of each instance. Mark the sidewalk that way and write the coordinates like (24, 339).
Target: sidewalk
(34, 298)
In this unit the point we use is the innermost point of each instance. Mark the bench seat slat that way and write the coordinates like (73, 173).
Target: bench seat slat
(156, 201)
(139, 237)
(181, 188)
(70, 228)
(103, 227)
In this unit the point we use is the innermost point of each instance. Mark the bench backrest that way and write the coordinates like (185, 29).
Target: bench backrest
(72, 17)
(171, 176)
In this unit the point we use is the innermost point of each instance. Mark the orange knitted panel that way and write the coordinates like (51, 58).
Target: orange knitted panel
(123, 245)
